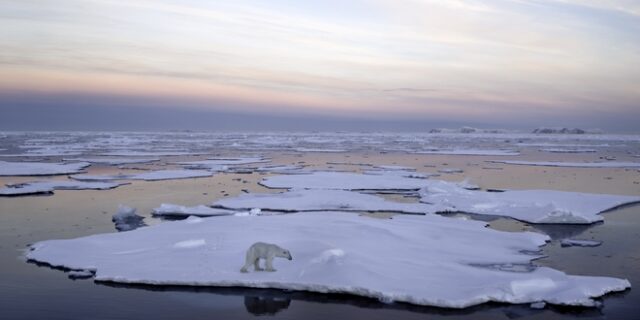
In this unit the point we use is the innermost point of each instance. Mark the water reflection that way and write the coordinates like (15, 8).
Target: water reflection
(261, 306)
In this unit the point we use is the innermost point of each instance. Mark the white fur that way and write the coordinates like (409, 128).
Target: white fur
(267, 251)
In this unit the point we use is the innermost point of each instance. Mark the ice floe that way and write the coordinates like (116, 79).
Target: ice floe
(450, 170)
(126, 219)
(319, 200)
(113, 161)
(562, 150)
(40, 168)
(344, 181)
(471, 152)
(535, 206)
(174, 210)
(148, 176)
(47, 187)
(579, 243)
(219, 164)
(423, 260)
(571, 164)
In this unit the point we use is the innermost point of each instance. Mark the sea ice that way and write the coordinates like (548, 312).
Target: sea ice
(561, 150)
(114, 161)
(571, 164)
(148, 176)
(126, 219)
(423, 260)
(320, 150)
(44, 187)
(450, 170)
(219, 164)
(535, 206)
(133, 153)
(40, 168)
(319, 200)
(471, 152)
(344, 181)
(579, 243)
(174, 210)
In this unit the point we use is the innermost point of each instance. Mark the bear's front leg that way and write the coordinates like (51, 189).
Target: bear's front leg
(269, 264)
(256, 265)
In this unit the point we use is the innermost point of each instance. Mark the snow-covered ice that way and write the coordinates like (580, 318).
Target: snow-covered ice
(579, 243)
(126, 219)
(319, 200)
(609, 164)
(471, 152)
(113, 161)
(344, 181)
(40, 168)
(148, 176)
(424, 260)
(535, 206)
(43, 187)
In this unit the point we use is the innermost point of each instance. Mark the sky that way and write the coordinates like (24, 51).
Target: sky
(319, 65)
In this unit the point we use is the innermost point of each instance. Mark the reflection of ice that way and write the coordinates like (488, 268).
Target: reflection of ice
(261, 306)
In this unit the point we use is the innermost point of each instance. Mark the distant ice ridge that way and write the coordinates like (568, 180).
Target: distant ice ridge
(609, 164)
(423, 260)
(40, 168)
(561, 130)
(46, 187)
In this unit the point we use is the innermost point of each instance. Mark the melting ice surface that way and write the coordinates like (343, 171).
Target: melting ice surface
(319, 200)
(43, 187)
(535, 206)
(40, 168)
(425, 260)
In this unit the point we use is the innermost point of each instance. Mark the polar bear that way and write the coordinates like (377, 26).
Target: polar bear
(267, 251)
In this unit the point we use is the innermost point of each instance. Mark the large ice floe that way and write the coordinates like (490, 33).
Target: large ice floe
(344, 181)
(535, 206)
(40, 168)
(113, 160)
(610, 164)
(147, 176)
(47, 187)
(424, 260)
(319, 200)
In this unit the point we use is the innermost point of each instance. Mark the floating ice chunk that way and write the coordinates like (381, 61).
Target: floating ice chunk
(40, 168)
(579, 243)
(282, 169)
(319, 200)
(114, 161)
(133, 153)
(535, 206)
(126, 219)
(423, 260)
(320, 150)
(173, 210)
(450, 170)
(344, 181)
(471, 152)
(466, 184)
(571, 164)
(394, 168)
(538, 305)
(561, 150)
(44, 187)
(148, 176)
